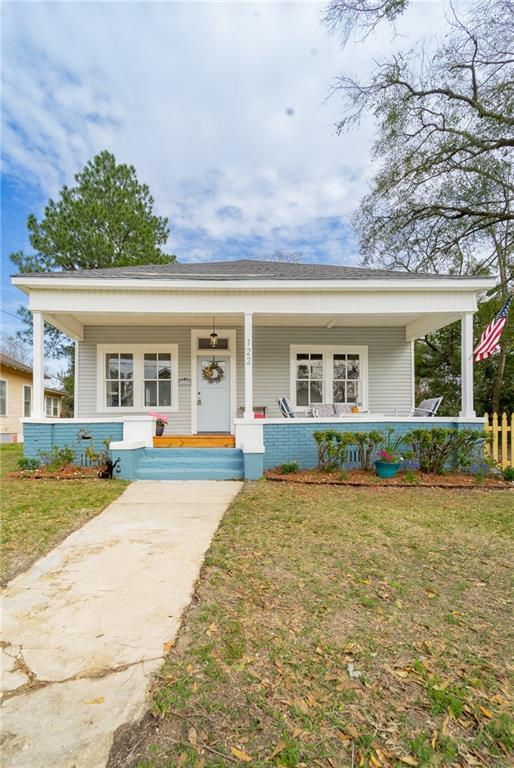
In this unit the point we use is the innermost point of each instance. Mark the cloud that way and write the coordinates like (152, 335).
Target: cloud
(222, 108)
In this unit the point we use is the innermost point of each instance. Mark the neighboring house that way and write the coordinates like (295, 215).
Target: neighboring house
(16, 398)
(317, 334)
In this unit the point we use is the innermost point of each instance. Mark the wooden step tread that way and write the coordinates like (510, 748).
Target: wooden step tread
(194, 441)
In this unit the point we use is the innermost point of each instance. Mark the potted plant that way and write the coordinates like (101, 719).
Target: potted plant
(388, 459)
(160, 422)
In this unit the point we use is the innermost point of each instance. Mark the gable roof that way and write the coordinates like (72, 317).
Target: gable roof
(243, 269)
(10, 362)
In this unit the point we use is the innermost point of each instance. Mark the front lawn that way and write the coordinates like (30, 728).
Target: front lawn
(341, 627)
(37, 514)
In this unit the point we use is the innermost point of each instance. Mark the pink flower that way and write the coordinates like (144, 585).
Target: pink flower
(159, 416)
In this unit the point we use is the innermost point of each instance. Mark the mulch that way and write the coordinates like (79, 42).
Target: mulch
(71, 472)
(358, 478)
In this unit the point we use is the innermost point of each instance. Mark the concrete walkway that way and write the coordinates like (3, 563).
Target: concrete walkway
(88, 624)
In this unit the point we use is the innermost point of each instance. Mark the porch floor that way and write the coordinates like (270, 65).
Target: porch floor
(195, 441)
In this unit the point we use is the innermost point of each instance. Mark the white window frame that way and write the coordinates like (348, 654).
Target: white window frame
(4, 415)
(52, 399)
(328, 351)
(138, 352)
(24, 387)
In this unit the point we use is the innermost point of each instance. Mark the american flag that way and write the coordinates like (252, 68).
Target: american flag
(491, 336)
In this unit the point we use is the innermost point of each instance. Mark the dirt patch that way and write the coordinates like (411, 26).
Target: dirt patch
(357, 477)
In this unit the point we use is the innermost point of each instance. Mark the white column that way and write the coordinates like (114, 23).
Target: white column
(38, 366)
(466, 366)
(248, 414)
(76, 383)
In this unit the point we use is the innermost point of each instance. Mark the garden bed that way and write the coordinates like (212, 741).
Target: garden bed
(69, 472)
(357, 477)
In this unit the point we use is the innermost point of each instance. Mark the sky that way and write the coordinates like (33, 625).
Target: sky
(223, 108)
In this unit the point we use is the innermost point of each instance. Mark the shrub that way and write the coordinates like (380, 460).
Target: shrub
(508, 474)
(27, 463)
(438, 449)
(367, 444)
(289, 467)
(57, 458)
(332, 448)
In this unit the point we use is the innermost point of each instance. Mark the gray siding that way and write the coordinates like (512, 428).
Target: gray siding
(389, 364)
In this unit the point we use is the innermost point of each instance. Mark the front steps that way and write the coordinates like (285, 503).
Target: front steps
(191, 464)
(195, 441)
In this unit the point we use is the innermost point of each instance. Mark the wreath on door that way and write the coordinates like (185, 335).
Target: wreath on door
(213, 373)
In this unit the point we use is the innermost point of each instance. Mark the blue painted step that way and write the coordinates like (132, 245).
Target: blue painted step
(191, 464)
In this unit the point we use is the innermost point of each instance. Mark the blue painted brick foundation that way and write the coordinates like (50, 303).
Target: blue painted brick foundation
(42, 437)
(295, 442)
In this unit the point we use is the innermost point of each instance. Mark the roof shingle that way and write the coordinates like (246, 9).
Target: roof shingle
(242, 269)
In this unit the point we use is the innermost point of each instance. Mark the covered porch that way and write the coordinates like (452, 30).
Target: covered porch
(144, 346)
(362, 361)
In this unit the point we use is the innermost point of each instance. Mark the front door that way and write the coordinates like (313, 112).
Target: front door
(213, 396)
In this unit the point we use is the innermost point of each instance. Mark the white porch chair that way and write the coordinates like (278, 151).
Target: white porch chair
(427, 407)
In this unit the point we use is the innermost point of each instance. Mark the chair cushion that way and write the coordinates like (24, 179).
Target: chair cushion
(323, 410)
(342, 408)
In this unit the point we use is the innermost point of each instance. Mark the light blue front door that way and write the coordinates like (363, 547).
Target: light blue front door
(213, 398)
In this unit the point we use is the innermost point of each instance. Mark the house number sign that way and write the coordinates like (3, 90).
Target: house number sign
(248, 353)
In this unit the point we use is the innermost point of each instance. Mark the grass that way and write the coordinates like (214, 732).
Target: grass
(341, 627)
(37, 514)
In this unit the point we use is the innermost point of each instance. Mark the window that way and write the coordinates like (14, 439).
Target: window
(27, 400)
(346, 378)
(119, 379)
(137, 377)
(52, 406)
(328, 374)
(309, 378)
(3, 397)
(157, 381)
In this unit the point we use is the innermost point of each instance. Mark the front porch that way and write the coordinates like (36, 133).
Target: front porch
(145, 346)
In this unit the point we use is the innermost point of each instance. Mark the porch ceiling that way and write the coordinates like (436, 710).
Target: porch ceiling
(415, 324)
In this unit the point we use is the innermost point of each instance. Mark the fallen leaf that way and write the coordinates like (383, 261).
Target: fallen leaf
(374, 761)
(352, 731)
(408, 760)
(240, 754)
(168, 645)
(401, 672)
(182, 759)
(192, 737)
(486, 712)
(278, 749)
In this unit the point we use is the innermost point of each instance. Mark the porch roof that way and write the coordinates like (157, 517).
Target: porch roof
(274, 293)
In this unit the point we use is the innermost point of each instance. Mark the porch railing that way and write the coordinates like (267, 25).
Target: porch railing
(501, 447)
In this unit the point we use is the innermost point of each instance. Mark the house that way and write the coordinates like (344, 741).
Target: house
(315, 333)
(16, 398)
